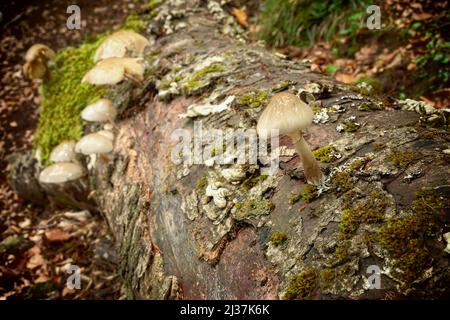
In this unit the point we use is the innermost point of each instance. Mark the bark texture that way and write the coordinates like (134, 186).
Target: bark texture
(276, 237)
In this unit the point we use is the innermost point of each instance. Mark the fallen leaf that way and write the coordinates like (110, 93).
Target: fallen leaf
(57, 234)
(240, 16)
(421, 16)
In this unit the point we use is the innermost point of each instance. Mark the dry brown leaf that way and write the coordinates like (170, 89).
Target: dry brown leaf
(421, 16)
(36, 259)
(240, 15)
(57, 234)
(345, 77)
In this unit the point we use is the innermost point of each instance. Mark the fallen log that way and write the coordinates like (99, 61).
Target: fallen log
(373, 230)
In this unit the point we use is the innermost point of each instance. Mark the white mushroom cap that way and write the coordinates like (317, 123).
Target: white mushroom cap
(285, 112)
(63, 152)
(114, 70)
(119, 44)
(61, 172)
(100, 111)
(94, 143)
(106, 133)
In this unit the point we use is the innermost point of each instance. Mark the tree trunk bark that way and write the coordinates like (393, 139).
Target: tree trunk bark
(269, 237)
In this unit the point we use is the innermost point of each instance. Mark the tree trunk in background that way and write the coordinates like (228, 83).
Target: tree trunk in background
(174, 242)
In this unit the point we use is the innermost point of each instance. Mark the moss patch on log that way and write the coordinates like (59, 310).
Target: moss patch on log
(405, 239)
(63, 97)
(301, 285)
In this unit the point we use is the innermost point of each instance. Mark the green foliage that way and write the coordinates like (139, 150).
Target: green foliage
(437, 54)
(303, 22)
(63, 97)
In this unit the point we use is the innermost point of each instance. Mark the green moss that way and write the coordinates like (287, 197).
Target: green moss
(342, 181)
(278, 238)
(350, 126)
(253, 208)
(301, 285)
(326, 154)
(165, 84)
(405, 239)
(202, 183)
(316, 109)
(63, 97)
(341, 253)
(282, 86)
(308, 193)
(374, 83)
(152, 55)
(355, 165)
(253, 99)
(152, 7)
(326, 277)
(195, 81)
(251, 182)
(378, 146)
(134, 23)
(369, 211)
(401, 158)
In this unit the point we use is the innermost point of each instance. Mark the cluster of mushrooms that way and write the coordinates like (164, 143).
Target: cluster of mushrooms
(118, 58)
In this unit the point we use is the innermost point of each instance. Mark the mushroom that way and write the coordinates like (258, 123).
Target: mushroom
(100, 111)
(119, 44)
(64, 152)
(94, 143)
(61, 172)
(290, 115)
(114, 70)
(39, 51)
(107, 133)
(37, 58)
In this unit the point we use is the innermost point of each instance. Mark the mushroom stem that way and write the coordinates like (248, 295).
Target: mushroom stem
(311, 167)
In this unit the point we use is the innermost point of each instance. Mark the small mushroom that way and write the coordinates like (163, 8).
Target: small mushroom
(61, 172)
(35, 70)
(37, 58)
(94, 143)
(114, 70)
(290, 115)
(64, 152)
(39, 51)
(102, 110)
(107, 133)
(119, 44)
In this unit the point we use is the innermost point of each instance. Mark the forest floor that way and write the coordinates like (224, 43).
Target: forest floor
(37, 245)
